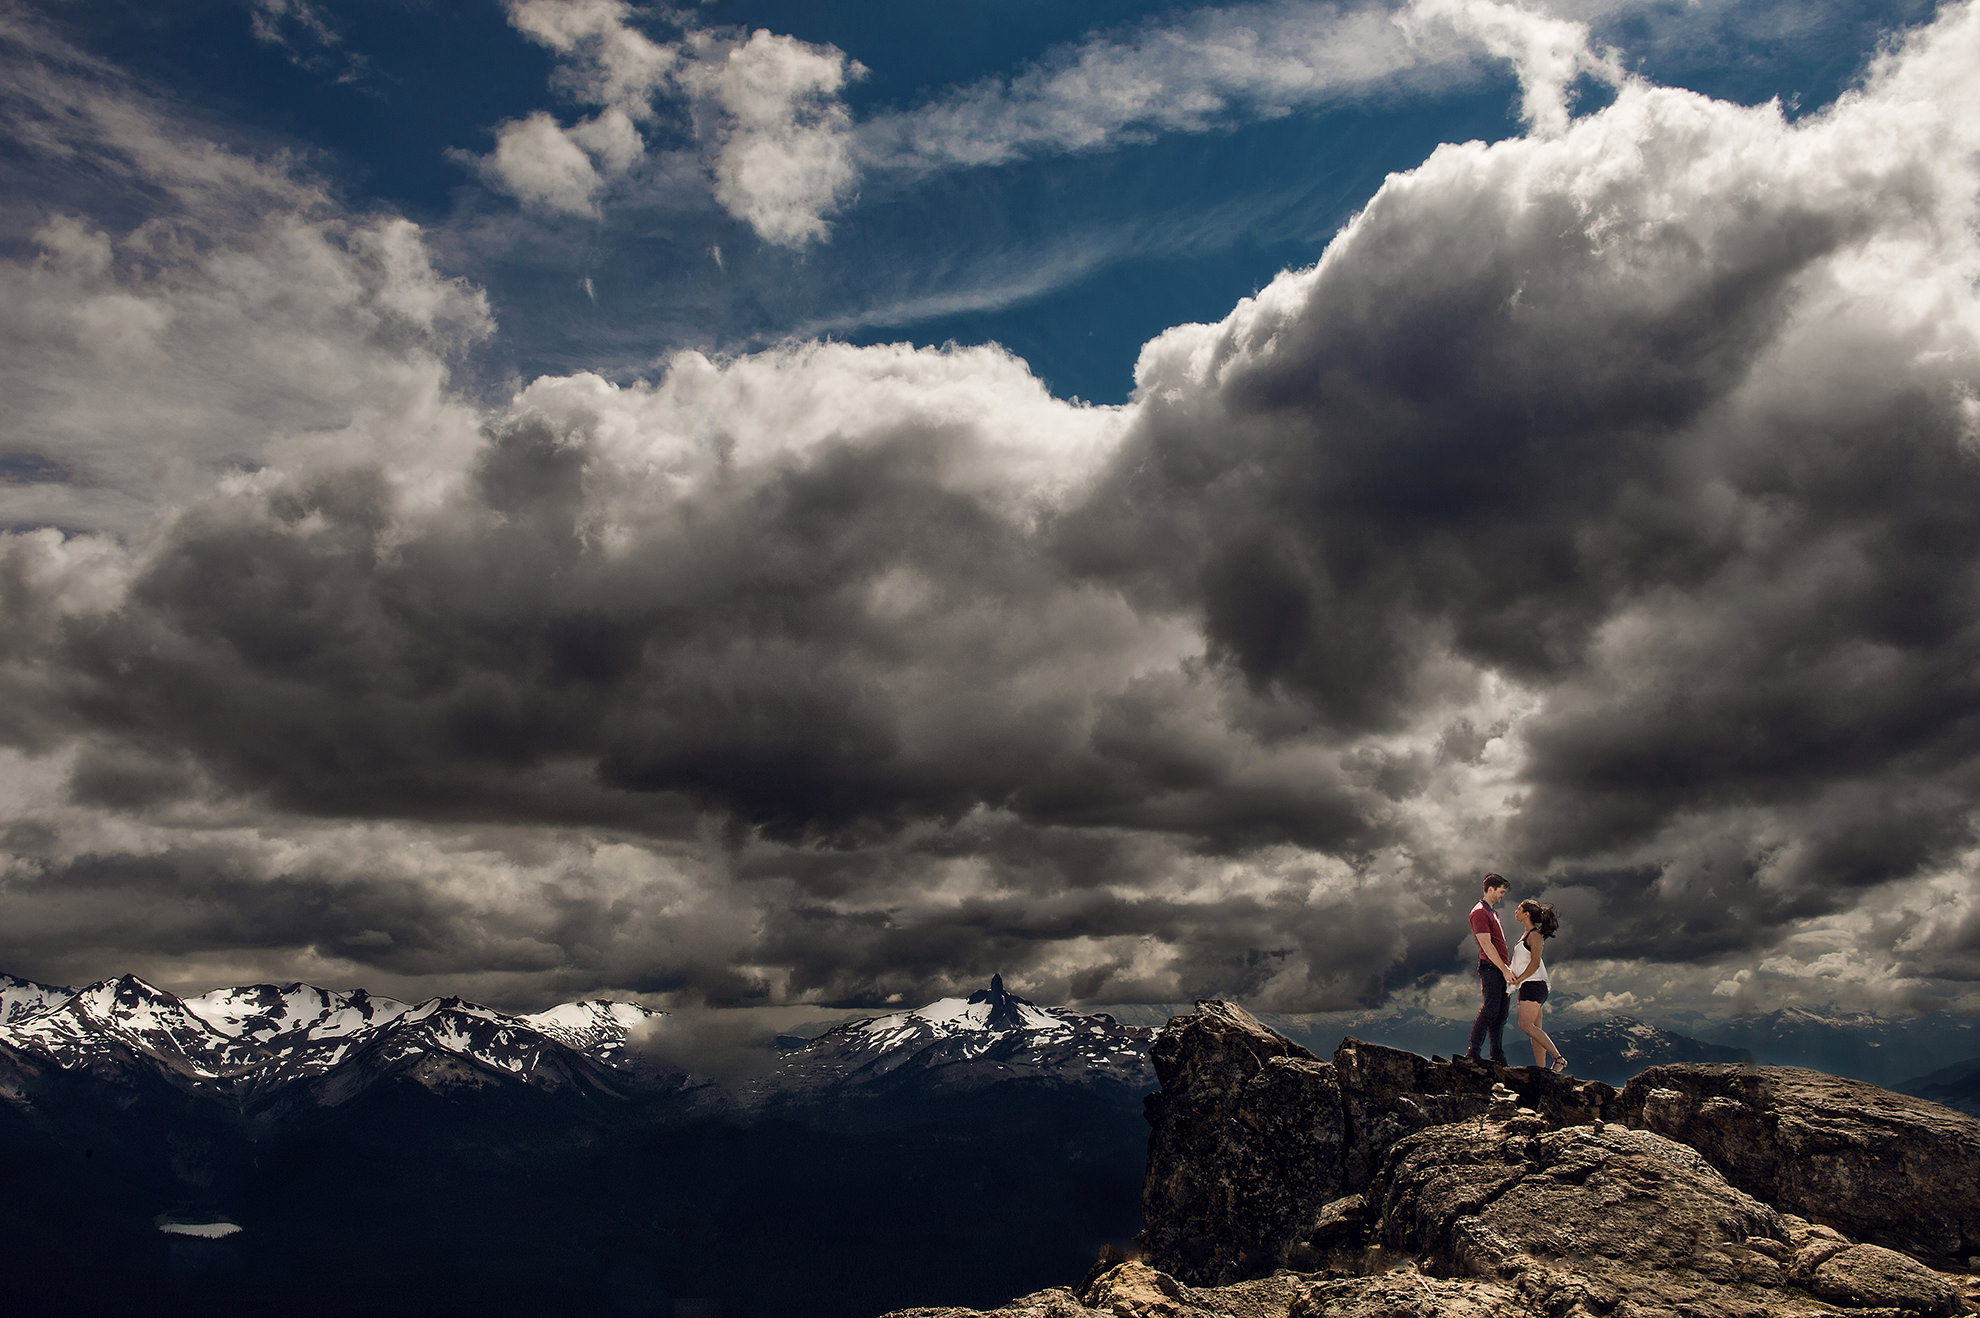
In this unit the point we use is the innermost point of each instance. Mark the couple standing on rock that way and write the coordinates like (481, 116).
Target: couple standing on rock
(1525, 973)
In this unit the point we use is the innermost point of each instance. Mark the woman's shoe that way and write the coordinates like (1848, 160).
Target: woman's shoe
(1559, 1064)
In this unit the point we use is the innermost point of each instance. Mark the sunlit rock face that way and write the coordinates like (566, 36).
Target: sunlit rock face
(1281, 1185)
(1893, 1170)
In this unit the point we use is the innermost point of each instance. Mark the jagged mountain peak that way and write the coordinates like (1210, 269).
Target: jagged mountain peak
(1006, 1009)
(995, 1010)
(127, 988)
(990, 1037)
(131, 1002)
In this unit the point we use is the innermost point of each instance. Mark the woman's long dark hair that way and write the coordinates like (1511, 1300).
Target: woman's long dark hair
(1544, 918)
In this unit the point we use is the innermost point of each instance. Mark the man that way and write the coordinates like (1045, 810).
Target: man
(1494, 969)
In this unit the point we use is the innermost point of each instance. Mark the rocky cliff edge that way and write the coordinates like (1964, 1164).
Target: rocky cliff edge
(1282, 1185)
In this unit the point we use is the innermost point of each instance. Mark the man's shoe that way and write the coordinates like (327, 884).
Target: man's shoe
(1500, 1061)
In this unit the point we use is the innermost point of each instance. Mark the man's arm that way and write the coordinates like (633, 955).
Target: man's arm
(1491, 953)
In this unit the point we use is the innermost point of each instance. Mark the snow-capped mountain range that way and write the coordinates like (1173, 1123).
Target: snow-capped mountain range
(265, 1046)
(954, 1044)
(251, 1044)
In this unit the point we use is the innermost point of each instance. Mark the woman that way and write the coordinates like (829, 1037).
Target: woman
(1537, 924)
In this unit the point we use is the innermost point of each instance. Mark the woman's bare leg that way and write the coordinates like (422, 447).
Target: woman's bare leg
(1529, 1024)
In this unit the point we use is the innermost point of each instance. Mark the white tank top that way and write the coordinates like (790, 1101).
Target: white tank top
(1519, 959)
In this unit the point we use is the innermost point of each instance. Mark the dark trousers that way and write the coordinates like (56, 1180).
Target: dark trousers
(1492, 1016)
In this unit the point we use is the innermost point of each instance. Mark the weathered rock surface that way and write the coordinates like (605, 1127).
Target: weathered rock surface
(1134, 1290)
(1244, 1149)
(1252, 1136)
(1871, 1277)
(1398, 1185)
(1882, 1167)
(1576, 1220)
(1406, 1293)
(1387, 1093)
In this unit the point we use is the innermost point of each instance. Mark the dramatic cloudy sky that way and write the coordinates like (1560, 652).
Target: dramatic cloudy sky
(781, 502)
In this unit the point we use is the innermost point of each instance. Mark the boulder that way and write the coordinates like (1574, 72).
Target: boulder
(1135, 1290)
(1870, 1277)
(1586, 1220)
(1880, 1167)
(1604, 1195)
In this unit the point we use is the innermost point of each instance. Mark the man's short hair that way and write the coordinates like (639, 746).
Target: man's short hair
(1496, 881)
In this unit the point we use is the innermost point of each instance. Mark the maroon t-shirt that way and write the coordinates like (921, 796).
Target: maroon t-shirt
(1484, 920)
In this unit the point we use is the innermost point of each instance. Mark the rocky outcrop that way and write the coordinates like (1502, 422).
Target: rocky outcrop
(1896, 1171)
(1245, 1146)
(1252, 1137)
(1382, 1183)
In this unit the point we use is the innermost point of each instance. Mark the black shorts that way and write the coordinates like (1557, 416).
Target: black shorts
(1533, 991)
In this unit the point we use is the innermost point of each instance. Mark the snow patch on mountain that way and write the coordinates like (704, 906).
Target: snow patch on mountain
(972, 1015)
(22, 998)
(596, 1025)
(270, 1015)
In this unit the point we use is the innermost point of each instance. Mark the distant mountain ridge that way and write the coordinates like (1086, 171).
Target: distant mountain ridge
(1956, 1086)
(201, 1154)
(254, 1045)
(265, 1046)
(1881, 1050)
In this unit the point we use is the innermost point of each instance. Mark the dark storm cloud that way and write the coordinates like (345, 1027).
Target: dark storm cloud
(512, 917)
(1259, 949)
(1465, 431)
(304, 641)
(72, 912)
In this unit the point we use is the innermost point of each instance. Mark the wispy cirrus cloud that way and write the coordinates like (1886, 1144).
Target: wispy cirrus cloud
(1220, 66)
(785, 152)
